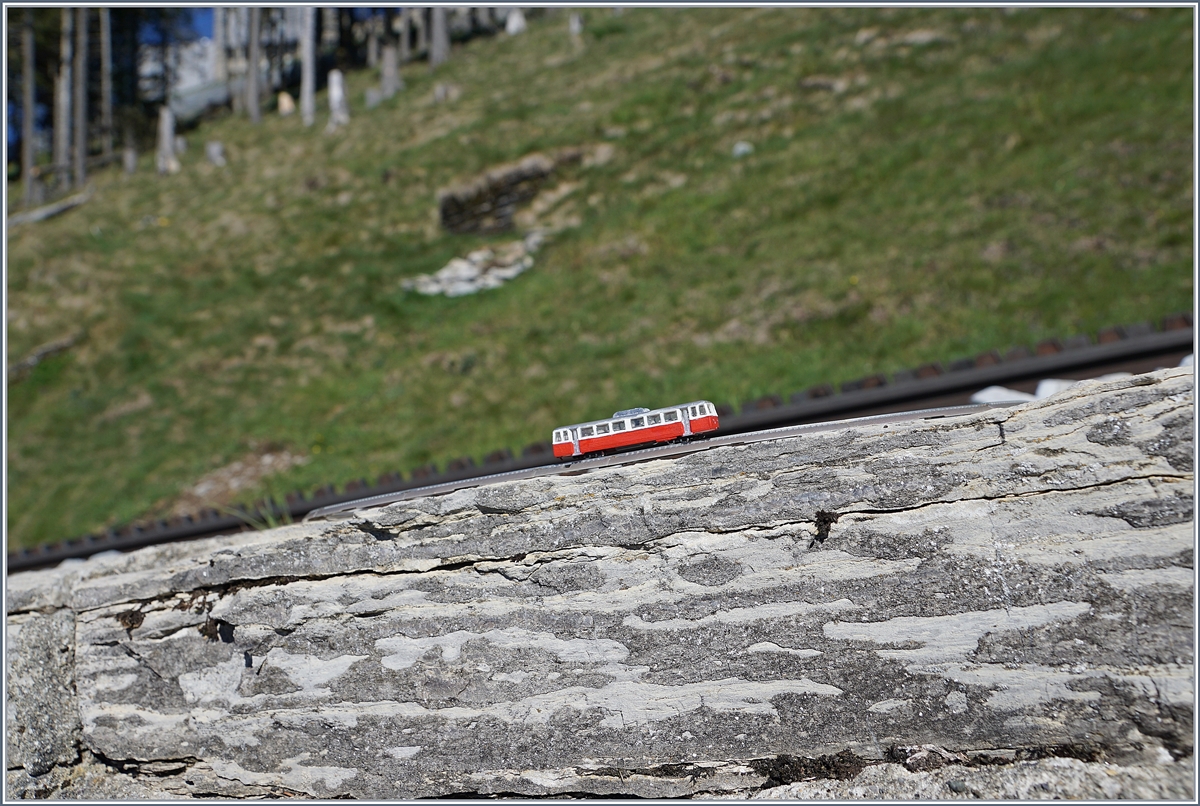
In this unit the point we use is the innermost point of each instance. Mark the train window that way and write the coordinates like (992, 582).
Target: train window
(637, 422)
(619, 425)
(671, 416)
(694, 414)
(586, 431)
(654, 419)
(602, 429)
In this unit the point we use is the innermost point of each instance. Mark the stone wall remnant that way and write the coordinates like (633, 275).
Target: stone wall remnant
(487, 203)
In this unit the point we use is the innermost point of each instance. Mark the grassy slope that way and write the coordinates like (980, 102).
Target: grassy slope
(1030, 177)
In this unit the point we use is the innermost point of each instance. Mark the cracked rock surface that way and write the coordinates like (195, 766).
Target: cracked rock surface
(997, 605)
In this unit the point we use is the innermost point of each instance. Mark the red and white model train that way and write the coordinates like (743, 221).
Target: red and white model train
(635, 427)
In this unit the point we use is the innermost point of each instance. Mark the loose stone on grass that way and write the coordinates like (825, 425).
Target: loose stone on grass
(480, 270)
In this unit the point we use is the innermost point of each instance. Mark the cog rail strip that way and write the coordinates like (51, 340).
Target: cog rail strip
(1133, 348)
(669, 451)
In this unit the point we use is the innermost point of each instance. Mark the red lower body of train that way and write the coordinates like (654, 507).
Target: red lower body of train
(666, 432)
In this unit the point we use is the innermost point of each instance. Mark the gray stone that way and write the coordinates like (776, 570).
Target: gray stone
(165, 158)
(875, 611)
(41, 714)
(514, 23)
(445, 93)
(482, 269)
(339, 107)
(389, 75)
(1047, 779)
(285, 104)
(214, 152)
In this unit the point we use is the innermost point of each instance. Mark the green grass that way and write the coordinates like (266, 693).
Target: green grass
(1027, 176)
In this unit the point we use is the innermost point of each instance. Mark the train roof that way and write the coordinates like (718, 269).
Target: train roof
(626, 413)
(629, 412)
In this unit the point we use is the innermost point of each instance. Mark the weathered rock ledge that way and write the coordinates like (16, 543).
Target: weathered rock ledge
(989, 606)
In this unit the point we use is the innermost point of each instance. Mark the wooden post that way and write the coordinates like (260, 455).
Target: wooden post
(390, 80)
(405, 36)
(976, 606)
(274, 30)
(420, 20)
(129, 155)
(329, 29)
(372, 26)
(165, 159)
(219, 43)
(347, 47)
(233, 59)
(27, 107)
(106, 85)
(308, 67)
(62, 100)
(439, 41)
(80, 105)
(252, 73)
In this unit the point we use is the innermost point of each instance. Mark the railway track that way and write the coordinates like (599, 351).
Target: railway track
(1135, 349)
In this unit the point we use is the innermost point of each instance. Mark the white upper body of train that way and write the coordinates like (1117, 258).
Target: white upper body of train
(636, 427)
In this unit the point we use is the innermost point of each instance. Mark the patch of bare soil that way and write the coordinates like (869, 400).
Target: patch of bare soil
(229, 484)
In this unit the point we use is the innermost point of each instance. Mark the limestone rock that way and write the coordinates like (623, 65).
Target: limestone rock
(214, 152)
(41, 714)
(286, 104)
(482, 269)
(997, 603)
(1046, 779)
